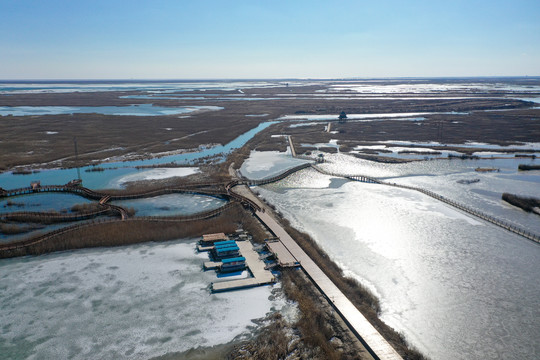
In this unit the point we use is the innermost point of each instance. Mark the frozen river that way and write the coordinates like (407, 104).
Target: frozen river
(457, 287)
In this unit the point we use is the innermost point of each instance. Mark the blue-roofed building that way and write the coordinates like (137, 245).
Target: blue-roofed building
(225, 246)
(228, 242)
(233, 264)
(226, 252)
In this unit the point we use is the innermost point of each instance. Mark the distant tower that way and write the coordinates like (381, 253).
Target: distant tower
(342, 117)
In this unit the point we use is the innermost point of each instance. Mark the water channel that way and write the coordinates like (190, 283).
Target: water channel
(116, 171)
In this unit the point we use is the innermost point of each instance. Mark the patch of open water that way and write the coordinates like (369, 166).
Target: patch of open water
(41, 202)
(132, 110)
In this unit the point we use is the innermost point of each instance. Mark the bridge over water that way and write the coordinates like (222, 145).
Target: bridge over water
(369, 179)
(469, 210)
(224, 189)
(105, 208)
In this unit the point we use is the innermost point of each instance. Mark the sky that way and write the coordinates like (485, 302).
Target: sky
(212, 39)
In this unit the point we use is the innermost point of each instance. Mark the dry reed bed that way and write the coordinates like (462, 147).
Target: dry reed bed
(315, 334)
(528, 204)
(118, 233)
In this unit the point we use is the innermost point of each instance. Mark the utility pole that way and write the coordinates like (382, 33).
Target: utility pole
(77, 159)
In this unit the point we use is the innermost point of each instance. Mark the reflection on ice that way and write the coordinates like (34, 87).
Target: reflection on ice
(449, 282)
(467, 144)
(416, 88)
(262, 164)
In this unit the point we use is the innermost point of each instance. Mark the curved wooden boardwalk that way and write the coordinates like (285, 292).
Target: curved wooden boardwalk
(278, 177)
(44, 237)
(369, 179)
(212, 189)
(47, 217)
(202, 188)
(503, 224)
(361, 178)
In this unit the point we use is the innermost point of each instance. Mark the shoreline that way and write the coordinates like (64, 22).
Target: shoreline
(129, 232)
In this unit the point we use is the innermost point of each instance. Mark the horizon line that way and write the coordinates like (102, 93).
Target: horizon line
(274, 79)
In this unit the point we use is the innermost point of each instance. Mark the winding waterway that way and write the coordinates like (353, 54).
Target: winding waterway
(117, 171)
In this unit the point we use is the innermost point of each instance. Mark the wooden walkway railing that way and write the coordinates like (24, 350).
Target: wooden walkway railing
(489, 218)
(279, 177)
(212, 189)
(222, 189)
(361, 178)
(47, 217)
(96, 195)
(44, 237)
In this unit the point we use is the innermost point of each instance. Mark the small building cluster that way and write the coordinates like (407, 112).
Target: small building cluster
(224, 251)
(232, 253)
